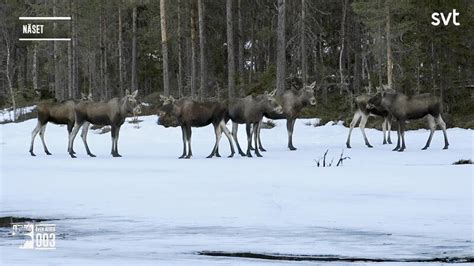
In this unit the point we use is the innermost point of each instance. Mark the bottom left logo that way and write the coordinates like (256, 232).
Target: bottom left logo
(41, 236)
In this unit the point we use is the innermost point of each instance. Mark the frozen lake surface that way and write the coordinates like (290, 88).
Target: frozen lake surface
(148, 207)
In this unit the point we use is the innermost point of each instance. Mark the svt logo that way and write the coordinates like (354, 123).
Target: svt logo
(446, 19)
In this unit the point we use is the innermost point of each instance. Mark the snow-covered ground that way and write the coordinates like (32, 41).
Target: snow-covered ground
(148, 207)
(8, 114)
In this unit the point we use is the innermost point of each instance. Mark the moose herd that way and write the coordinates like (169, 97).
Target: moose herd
(250, 110)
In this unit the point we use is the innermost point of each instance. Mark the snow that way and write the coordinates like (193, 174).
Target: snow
(7, 114)
(149, 207)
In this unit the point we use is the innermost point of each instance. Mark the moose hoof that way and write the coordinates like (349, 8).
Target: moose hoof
(292, 148)
(258, 155)
(396, 149)
(73, 152)
(401, 150)
(348, 145)
(369, 146)
(231, 155)
(242, 154)
(445, 147)
(209, 156)
(72, 155)
(32, 154)
(91, 155)
(218, 155)
(424, 148)
(389, 142)
(248, 154)
(251, 148)
(187, 157)
(262, 149)
(47, 152)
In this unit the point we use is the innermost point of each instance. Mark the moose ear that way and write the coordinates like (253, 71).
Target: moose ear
(312, 85)
(273, 93)
(127, 92)
(134, 94)
(171, 99)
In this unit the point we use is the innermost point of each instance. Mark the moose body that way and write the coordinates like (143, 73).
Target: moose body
(250, 111)
(292, 101)
(57, 113)
(111, 113)
(362, 114)
(188, 113)
(404, 108)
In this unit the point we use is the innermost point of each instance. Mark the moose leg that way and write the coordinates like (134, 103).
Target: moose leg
(363, 121)
(85, 129)
(402, 135)
(218, 133)
(41, 133)
(183, 132)
(235, 128)
(229, 137)
(389, 128)
(33, 136)
(255, 134)
(251, 145)
(290, 125)
(113, 135)
(260, 146)
(69, 130)
(354, 121)
(442, 124)
(384, 130)
(432, 125)
(188, 135)
(72, 136)
(117, 134)
(398, 138)
(248, 128)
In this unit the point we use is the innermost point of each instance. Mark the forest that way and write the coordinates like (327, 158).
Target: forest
(221, 49)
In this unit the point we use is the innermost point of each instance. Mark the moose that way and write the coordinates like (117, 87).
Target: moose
(61, 113)
(362, 114)
(292, 101)
(249, 111)
(111, 113)
(404, 108)
(188, 113)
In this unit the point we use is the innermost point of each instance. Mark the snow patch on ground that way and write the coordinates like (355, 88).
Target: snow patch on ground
(149, 207)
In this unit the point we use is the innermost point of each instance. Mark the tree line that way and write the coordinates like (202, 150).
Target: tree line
(221, 49)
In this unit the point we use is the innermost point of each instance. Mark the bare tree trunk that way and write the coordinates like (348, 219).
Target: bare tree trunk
(202, 47)
(193, 49)
(69, 70)
(343, 36)
(34, 69)
(240, 42)
(281, 48)
(58, 92)
(230, 51)
(389, 48)
(180, 51)
(120, 49)
(304, 63)
(379, 49)
(9, 74)
(134, 49)
(164, 48)
(75, 87)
